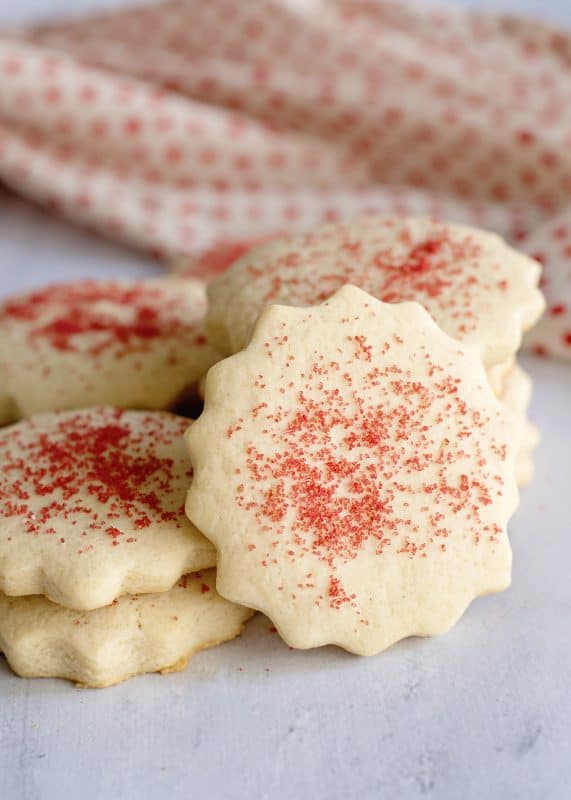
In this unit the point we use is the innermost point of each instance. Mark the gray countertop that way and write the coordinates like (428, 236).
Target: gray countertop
(482, 712)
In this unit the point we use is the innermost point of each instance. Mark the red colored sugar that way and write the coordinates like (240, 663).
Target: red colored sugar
(337, 470)
(337, 595)
(219, 258)
(442, 271)
(66, 313)
(94, 456)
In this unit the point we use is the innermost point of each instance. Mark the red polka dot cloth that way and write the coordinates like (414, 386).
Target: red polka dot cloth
(178, 126)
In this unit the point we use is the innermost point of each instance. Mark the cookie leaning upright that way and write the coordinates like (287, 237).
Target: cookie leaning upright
(92, 506)
(476, 288)
(355, 472)
(132, 344)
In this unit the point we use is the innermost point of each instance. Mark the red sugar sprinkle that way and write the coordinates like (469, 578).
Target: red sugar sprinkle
(118, 317)
(91, 456)
(219, 258)
(443, 271)
(337, 595)
(337, 472)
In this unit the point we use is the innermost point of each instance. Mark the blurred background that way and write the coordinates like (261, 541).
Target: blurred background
(26, 10)
(25, 230)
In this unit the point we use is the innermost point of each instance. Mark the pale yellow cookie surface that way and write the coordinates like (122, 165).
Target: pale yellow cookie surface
(516, 391)
(356, 474)
(131, 344)
(92, 506)
(134, 635)
(498, 375)
(476, 288)
(516, 395)
(524, 462)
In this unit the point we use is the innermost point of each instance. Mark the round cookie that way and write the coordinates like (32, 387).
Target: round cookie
(92, 506)
(477, 289)
(356, 474)
(131, 344)
(134, 635)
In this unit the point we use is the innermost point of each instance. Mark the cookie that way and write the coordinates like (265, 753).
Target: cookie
(516, 395)
(216, 260)
(524, 461)
(498, 374)
(133, 635)
(7, 409)
(477, 289)
(131, 344)
(356, 474)
(92, 506)
(516, 391)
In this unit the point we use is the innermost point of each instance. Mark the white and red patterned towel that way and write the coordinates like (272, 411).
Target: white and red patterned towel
(178, 126)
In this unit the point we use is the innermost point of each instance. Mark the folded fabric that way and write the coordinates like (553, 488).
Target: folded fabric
(177, 126)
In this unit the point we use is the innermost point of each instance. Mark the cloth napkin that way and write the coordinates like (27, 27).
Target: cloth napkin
(182, 125)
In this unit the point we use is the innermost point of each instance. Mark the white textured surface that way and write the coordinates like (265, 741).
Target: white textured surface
(480, 713)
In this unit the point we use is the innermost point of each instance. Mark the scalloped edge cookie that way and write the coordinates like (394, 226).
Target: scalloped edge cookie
(134, 635)
(125, 343)
(92, 506)
(286, 459)
(437, 264)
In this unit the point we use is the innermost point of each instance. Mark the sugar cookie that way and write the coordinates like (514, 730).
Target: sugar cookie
(516, 391)
(216, 260)
(92, 506)
(524, 461)
(7, 411)
(477, 289)
(132, 344)
(133, 635)
(355, 472)
(516, 396)
(498, 375)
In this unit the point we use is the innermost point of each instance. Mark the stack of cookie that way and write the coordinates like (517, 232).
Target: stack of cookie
(102, 574)
(353, 464)
(352, 473)
(476, 288)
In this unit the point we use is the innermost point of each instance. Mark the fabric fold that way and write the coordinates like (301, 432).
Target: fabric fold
(176, 126)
